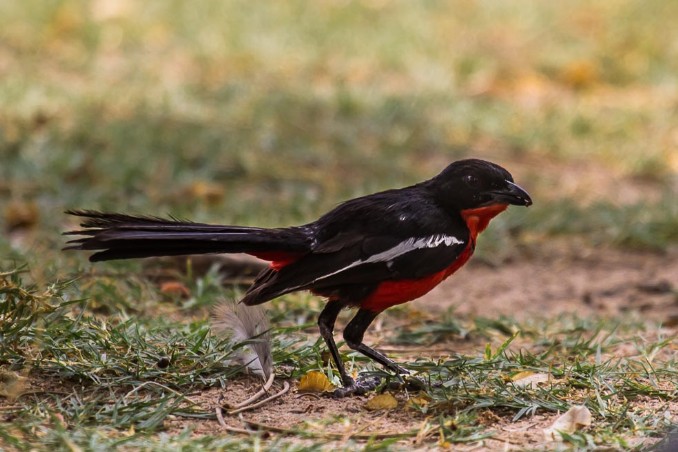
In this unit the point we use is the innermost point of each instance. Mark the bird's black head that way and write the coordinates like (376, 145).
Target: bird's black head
(473, 183)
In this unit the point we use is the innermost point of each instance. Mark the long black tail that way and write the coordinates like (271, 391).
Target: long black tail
(119, 236)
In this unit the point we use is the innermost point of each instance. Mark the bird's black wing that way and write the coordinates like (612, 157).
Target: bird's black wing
(369, 246)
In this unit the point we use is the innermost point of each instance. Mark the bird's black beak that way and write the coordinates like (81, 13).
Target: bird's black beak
(512, 194)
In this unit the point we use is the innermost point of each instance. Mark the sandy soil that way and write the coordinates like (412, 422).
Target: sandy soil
(565, 278)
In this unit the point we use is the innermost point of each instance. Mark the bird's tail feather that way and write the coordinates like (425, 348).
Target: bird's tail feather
(120, 236)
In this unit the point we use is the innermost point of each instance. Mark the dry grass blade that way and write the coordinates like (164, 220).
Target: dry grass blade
(283, 391)
(166, 388)
(259, 393)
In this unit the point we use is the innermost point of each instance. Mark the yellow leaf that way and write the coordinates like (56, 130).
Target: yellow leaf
(314, 381)
(417, 402)
(209, 192)
(381, 402)
(21, 215)
(574, 419)
(580, 74)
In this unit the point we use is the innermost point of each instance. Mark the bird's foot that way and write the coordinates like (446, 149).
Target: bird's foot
(361, 386)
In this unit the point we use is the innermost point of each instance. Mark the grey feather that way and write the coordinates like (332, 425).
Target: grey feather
(246, 323)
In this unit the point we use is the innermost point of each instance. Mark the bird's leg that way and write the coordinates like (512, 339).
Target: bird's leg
(326, 326)
(353, 335)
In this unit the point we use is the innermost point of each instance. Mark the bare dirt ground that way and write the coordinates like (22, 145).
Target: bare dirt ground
(566, 279)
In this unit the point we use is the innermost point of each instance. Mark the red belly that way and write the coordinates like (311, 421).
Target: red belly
(391, 293)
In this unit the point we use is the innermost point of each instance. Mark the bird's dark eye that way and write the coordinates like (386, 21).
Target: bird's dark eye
(472, 181)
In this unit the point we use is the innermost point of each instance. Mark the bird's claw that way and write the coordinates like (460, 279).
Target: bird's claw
(366, 383)
(361, 386)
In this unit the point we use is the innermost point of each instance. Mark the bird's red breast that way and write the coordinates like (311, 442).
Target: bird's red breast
(391, 293)
(477, 219)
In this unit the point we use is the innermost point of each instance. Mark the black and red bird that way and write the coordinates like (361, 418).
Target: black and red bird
(368, 253)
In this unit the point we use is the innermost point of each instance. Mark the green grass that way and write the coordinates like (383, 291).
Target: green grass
(105, 378)
(236, 112)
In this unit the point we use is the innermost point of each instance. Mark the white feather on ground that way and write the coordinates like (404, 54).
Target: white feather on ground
(246, 323)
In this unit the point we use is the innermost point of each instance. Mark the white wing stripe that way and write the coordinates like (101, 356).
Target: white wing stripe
(411, 244)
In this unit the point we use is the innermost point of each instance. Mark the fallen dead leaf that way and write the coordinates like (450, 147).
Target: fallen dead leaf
(580, 74)
(175, 288)
(21, 215)
(527, 378)
(381, 402)
(574, 419)
(314, 381)
(209, 192)
(417, 402)
(12, 385)
(60, 420)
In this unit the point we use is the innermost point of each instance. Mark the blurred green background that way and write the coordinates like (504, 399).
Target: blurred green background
(271, 113)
